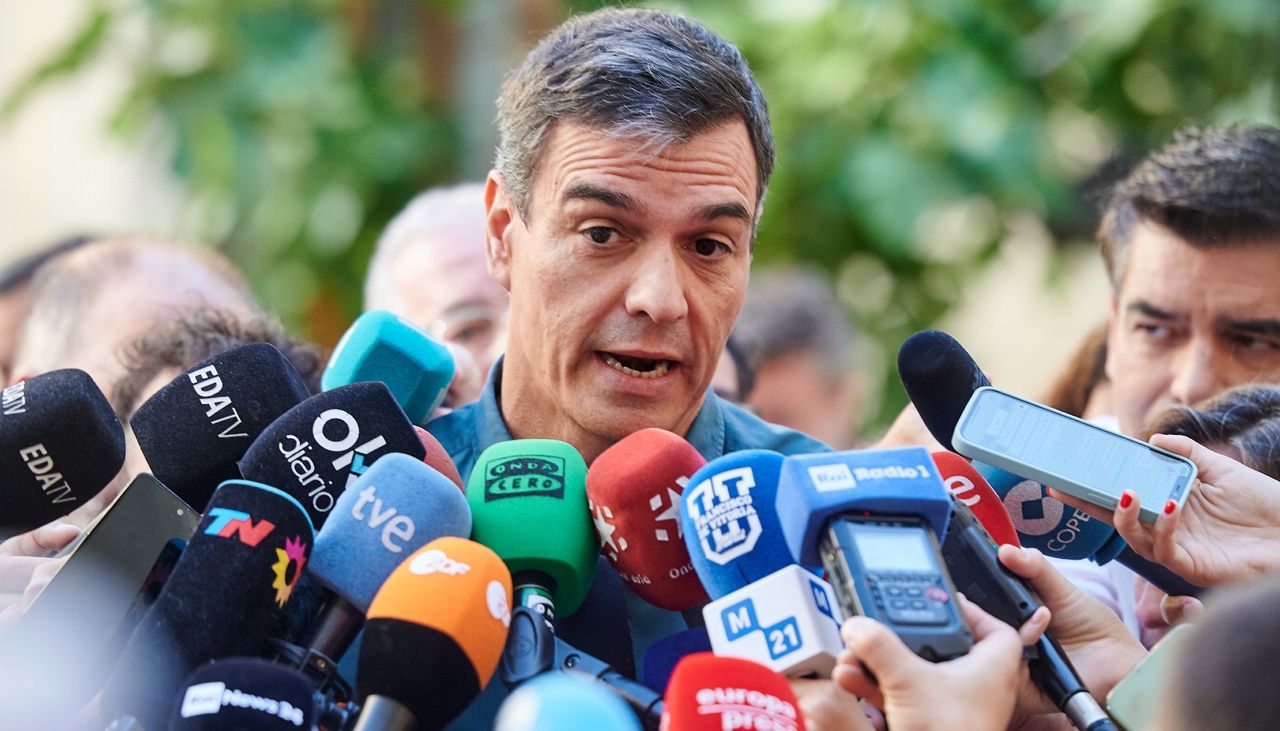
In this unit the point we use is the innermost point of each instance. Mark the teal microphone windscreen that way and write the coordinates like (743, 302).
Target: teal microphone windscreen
(195, 429)
(240, 567)
(60, 444)
(397, 506)
(381, 346)
(320, 447)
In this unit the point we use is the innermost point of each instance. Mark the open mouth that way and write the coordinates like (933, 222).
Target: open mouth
(637, 367)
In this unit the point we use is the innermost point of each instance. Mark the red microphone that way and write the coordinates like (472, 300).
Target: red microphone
(437, 458)
(711, 693)
(634, 489)
(969, 487)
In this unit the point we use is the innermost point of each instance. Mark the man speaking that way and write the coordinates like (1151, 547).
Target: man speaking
(633, 156)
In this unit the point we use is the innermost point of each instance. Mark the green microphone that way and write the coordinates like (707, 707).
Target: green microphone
(528, 501)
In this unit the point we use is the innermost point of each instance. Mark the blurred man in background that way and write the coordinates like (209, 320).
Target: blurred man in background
(15, 289)
(800, 345)
(429, 268)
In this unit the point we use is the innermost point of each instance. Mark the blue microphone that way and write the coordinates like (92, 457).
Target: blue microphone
(765, 607)
(563, 702)
(380, 346)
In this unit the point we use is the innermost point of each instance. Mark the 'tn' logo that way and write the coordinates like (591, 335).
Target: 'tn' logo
(227, 523)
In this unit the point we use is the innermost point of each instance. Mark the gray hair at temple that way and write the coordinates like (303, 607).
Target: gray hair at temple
(645, 74)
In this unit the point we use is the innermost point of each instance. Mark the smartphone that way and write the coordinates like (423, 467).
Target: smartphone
(1081, 459)
(1135, 703)
(81, 619)
(891, 569)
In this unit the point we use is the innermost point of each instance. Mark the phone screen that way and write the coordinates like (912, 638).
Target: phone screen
(1081, 452)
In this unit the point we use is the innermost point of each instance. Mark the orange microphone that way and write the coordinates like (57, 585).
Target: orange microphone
(434, 634)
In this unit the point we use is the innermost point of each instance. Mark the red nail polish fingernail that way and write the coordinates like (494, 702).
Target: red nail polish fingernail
(1126, 499)
(1169, 507)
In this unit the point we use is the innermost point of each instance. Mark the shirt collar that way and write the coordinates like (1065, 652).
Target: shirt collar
(706, 433)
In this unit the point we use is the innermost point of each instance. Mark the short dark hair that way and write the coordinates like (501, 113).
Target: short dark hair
(199, 333)
(1210, 187)
(794, 309)
(1225, 674)
(1246, 418)
(650, 74)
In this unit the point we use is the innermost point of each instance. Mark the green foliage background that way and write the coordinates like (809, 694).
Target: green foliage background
(909, 132)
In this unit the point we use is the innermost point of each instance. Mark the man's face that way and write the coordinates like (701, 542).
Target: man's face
(625, 280)
(1188, 323)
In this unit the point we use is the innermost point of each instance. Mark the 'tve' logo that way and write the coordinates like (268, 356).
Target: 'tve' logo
(739, 620)
(227, 523)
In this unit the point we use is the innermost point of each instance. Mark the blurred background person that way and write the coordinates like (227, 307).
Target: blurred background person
(799, 345)
(1082, 389)
(429, 268)
(15, 287)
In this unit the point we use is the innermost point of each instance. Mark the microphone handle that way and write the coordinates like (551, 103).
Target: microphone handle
(644, 701)
(381, 713)
(1159, 576)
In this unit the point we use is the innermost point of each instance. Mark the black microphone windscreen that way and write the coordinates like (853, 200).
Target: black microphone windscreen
(241, 565)
(60, 444)
(940, 377)
(319, 447)
(244, 693)
(195, 429)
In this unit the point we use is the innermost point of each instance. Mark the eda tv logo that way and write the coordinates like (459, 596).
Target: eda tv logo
(524, 476)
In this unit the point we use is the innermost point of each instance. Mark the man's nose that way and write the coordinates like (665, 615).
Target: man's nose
(656, 289)
(1199, 372)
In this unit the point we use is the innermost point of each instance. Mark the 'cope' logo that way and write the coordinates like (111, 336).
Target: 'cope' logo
(727, 523)
(524, 476)
(1034, 513)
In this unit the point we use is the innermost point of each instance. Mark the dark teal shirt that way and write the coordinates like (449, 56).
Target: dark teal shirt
(719, 429)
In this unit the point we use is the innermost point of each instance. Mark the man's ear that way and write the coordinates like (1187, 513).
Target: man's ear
(501, 218)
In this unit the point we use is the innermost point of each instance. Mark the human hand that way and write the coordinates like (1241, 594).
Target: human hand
(826, 706)
(1098, 644)
(979, 687)
(26, 566)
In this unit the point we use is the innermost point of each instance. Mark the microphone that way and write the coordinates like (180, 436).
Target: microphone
(60, 444)
(971, 490)
(434, 634)
(633, 490)
(940, 377)
(195, 429)
(397, 506)
(242, 563)
(380, 346)
(245, 692)
(438, 459)
(710, 693)
(661, 657)
(563, 702)
(528, 503)
(318, 448)
(874, 518)
(765, 608)
(970, 553)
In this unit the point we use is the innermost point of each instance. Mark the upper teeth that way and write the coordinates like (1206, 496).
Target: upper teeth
(659, 369)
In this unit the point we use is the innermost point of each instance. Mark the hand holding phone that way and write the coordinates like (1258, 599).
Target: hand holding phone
(1070, 454)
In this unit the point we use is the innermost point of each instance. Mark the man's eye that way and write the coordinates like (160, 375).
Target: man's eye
(1254, 344)
(710, 247)
(600, 234)
(1152, 331)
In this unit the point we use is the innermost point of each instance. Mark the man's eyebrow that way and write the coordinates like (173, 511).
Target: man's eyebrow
(1142, 307)
(612, 198)
(727, 210)
(1266, 327)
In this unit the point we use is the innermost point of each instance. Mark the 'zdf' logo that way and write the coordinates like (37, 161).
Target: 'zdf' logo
(226, 523)
(524, 476)
(727, 523)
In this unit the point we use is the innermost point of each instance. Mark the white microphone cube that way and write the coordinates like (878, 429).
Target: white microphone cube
(788, 621)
